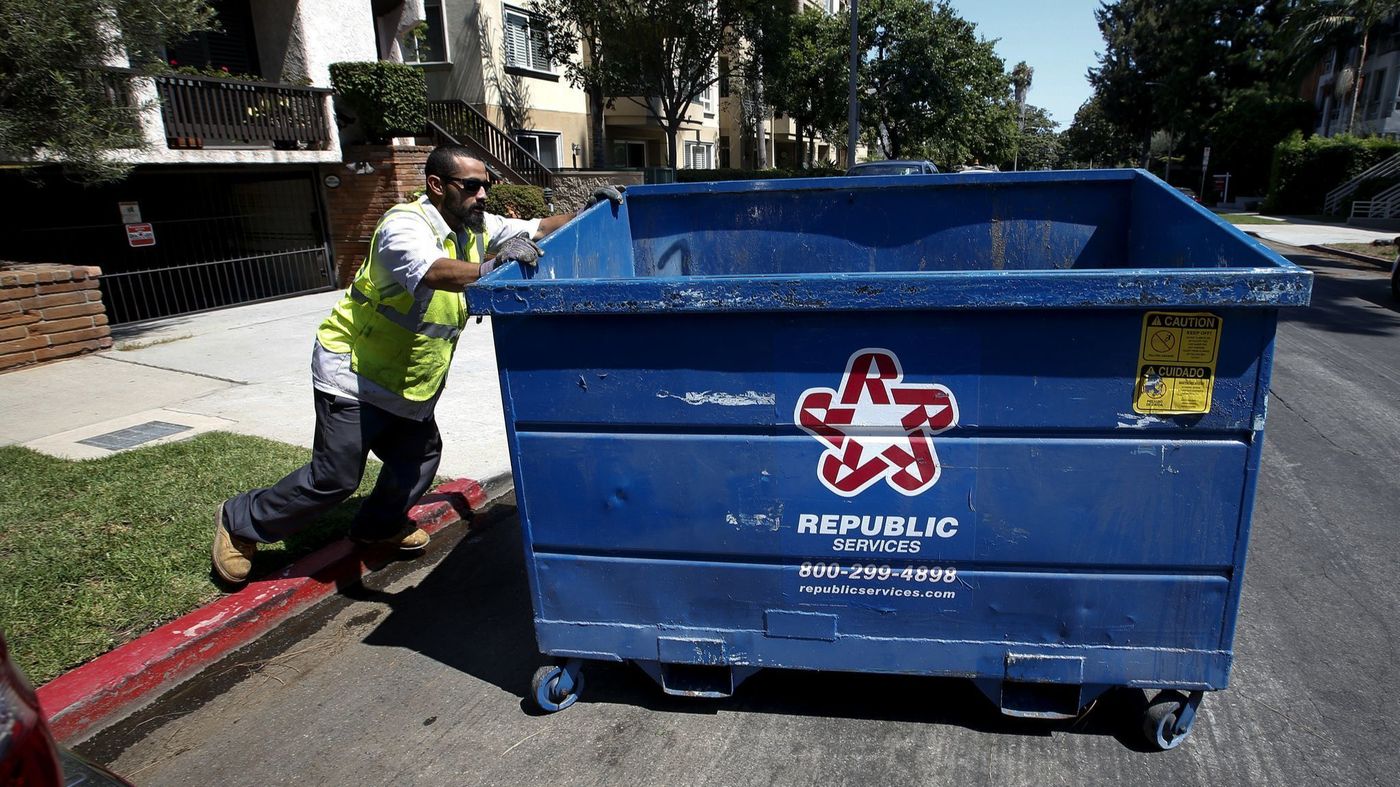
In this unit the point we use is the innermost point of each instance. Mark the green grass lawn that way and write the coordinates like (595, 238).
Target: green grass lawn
(1386, 253)
(1246, 218)
(96, 553)
(1241, 218)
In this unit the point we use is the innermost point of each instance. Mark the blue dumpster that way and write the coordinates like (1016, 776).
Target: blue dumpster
(1001, 427)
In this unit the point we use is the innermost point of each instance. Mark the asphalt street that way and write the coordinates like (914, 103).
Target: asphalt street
(421, 677)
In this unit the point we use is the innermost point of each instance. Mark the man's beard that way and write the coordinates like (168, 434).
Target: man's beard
(475, 218)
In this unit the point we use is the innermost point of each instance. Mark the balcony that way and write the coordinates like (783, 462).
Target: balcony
(189, 119)
(200, 112)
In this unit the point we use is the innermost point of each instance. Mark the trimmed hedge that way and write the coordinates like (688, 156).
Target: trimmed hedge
(388, 99)
(521, 202)
(1304, 170)
(706, 175)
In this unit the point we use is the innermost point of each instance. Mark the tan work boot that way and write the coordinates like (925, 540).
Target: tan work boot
(233, 556)
(410, 538)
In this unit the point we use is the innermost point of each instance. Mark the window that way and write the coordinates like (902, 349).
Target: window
(626, 153)
(427, 43)
(1377, 85)
(724, 77)
(543, 145)
(705, 100)
(699, 155)
(724, 155)
(525, 42)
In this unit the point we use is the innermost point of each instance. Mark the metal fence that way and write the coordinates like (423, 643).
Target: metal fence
(133, 296)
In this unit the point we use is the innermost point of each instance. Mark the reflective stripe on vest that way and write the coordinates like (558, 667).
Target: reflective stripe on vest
(411, 322)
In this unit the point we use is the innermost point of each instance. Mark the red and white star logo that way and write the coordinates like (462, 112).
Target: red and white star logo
(877, 426)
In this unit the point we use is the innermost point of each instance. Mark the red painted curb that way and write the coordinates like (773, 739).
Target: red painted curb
(89, 697)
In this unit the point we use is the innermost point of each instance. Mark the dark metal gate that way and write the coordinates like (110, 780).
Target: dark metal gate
(189, 240)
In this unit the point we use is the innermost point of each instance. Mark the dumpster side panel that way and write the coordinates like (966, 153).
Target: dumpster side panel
(1025, 502)
(1011, 372)
(1127, 627)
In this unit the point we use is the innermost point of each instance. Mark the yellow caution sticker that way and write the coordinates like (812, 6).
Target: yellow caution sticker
(1176, 362)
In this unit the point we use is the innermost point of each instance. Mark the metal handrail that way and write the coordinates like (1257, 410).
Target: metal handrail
(1384, 205)
(1335, 197)
(465, 122)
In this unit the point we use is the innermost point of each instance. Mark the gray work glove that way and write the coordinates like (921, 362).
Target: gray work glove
(520, 249)
(612, 194)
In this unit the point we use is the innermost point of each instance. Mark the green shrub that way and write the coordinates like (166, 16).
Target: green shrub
(706, 175)
(522, 202)
(1304, 170)
(388, 99)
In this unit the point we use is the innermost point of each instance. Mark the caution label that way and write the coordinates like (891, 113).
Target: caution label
(1176, 362)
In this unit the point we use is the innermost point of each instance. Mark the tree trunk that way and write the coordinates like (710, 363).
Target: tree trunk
(671, 132)
(1356, 89)
(596, 144)
(761, 160)
(801, 158)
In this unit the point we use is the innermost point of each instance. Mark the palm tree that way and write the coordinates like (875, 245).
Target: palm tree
(1021, 83)
(1319, 25)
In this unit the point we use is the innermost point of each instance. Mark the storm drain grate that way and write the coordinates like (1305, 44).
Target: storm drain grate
(133, 436)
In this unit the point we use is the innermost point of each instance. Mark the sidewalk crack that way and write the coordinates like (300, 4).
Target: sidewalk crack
(108, 357)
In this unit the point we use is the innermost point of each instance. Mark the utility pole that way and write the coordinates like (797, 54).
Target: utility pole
(853, 110)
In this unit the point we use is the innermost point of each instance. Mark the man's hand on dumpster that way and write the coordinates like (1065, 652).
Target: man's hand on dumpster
(520, 249)
(612, 194)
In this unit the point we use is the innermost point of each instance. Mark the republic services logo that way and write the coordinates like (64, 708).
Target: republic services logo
(877, 426)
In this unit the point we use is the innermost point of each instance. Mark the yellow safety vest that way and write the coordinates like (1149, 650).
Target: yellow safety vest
(392, 339)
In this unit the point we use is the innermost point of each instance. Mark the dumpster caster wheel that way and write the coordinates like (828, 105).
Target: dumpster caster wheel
(1169, 719)
(555, 688)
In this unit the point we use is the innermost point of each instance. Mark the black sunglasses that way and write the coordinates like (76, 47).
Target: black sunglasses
(468, 185)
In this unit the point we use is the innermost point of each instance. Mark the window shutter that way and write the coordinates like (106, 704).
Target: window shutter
(539, 59)
(516, 48)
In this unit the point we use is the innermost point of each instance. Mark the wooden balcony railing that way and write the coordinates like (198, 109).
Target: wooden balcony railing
(203, 112)
(469, 127)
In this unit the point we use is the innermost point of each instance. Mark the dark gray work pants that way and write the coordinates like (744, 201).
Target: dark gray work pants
(346, 431)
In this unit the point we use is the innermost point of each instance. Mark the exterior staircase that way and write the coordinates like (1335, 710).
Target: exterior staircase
(456, 122)
(1333, 202)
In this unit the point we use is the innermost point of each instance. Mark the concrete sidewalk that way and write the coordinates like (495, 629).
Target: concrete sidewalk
(245, 370)
(1304, 232)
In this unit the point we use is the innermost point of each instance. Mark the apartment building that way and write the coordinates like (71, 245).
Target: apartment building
(487, 57)
(226, 203)
(1378, 103)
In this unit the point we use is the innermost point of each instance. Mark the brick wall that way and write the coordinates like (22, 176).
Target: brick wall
(49, 311)
(356, 205)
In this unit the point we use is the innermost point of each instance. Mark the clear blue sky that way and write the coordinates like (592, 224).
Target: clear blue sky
(1057, 38)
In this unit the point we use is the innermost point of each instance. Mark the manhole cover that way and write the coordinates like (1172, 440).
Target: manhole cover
(133, 436)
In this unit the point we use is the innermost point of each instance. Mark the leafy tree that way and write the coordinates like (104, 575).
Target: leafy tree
(1317, 26)
(56, 102)
(670, 55)
(1094, 140)
(1038, 145)
(1173, 65)
(810, 82)
(590, 25)
(1245, 131)
(929, 83)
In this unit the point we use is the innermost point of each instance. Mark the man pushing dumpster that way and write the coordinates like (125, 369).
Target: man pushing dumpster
(379, 363)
